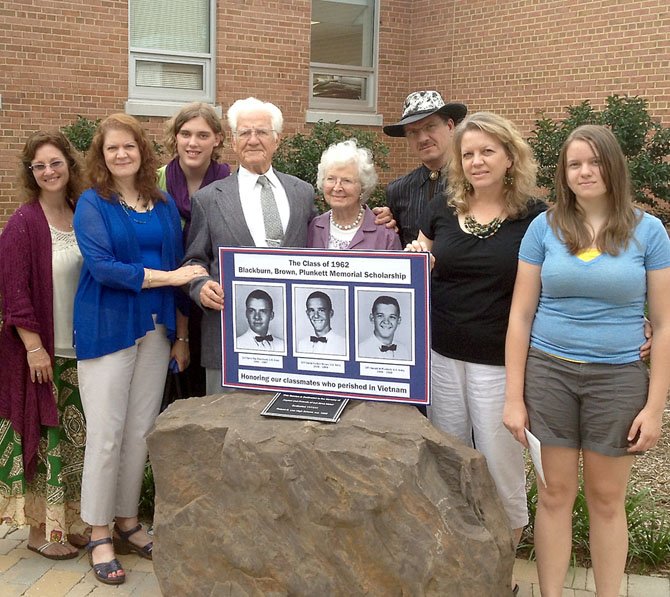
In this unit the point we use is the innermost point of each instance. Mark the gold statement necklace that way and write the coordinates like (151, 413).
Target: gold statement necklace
(482, 230)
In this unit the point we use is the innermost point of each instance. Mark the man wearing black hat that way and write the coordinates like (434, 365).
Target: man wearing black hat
(428, 124)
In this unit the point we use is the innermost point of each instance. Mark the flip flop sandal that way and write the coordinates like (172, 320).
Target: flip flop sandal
(123, 545)
(103, 570)
(57, 556)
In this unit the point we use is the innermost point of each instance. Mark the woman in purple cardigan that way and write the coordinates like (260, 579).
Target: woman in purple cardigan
(42, 424)
(347, 177)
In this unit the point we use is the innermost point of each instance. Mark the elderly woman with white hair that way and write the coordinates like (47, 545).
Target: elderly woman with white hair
(347, 177)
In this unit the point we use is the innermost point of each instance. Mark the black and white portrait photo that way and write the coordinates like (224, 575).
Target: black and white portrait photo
(384, 325)
(259, 318)
(323, 330)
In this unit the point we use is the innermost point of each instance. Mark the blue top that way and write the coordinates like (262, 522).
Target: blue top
(108, 312)
(593, 311)
(150, 238)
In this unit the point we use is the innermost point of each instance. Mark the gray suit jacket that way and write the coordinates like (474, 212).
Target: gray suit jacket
(217, 220)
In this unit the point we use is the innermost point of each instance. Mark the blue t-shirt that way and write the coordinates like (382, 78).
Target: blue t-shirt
(593, 311)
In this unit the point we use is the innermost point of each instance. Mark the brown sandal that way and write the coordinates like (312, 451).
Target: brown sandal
(123, 545)
(58, 556)
(79, 540)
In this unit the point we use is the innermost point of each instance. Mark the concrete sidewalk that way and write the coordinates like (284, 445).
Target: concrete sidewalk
(579, 583)
(23, 572)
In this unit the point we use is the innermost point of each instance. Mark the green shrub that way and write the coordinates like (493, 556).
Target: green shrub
(645, 143)
(80, 132)
(300, 154)
(648, 530)
(148, 494)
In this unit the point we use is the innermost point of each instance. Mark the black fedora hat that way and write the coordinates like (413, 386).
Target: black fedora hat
(422, 104)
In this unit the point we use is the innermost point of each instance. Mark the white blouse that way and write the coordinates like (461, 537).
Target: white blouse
(66, 262)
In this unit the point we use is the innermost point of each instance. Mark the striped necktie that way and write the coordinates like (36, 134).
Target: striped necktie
(274, 233)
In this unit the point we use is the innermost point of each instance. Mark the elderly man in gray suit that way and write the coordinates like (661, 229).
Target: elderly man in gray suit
(255, 207)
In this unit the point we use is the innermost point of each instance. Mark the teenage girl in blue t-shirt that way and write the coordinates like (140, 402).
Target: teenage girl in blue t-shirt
(586, 269)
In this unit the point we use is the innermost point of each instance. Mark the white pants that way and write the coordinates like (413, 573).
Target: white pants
(121, 394)
(468, 401)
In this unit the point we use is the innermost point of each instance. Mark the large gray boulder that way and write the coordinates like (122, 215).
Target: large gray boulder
(379, 504)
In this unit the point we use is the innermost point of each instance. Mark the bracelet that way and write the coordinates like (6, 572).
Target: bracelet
(149, 278)
(35, 349)
(182, 339)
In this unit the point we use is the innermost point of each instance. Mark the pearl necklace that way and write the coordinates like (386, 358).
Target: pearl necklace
(351, 226)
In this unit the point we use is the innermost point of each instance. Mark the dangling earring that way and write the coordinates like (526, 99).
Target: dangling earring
(467, 187)
(508, 179)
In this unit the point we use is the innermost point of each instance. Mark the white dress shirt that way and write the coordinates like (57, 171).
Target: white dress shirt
(371, 348)
(334, 344)
(250, 197)
(247, 341)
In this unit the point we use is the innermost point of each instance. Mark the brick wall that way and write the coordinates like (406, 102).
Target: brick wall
(57, 59)
(62, 58)
(394, 75)
(520, 58)
(264, 52)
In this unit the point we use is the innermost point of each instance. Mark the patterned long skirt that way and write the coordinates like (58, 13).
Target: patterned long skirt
(52, 496)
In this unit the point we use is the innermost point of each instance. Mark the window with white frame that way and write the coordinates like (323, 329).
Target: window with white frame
(344, 55)
(171, 51)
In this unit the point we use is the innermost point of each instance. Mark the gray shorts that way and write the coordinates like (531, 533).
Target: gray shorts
(584, 405)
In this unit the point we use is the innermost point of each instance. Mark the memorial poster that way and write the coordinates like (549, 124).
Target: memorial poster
(353, 324)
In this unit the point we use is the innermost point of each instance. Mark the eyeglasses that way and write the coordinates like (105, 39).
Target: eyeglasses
(40, 167)
(247, 133)
(332, 181)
